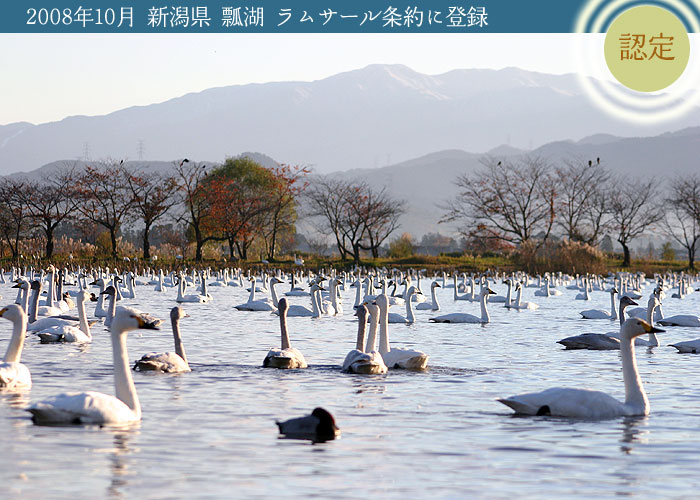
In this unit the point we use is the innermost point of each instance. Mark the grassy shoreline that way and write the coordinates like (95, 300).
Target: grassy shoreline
(463, 263)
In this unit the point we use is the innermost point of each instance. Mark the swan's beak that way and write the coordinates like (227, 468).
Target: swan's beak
(491, 292)
(148, 324)
(2, 311)
(18, 285)
(437, 285)
(652, 329)
(633, 303)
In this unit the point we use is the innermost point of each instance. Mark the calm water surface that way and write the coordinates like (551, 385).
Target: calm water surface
(438, 434)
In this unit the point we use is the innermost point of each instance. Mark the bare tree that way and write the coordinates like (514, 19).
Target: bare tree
(582, 200)
(154, 195)
(634, 208)
(191, 176)
(49, 203)
(13, 213)
(513, 202)
(104, 197)
(359, 217)
(682, 219)
(380, 216)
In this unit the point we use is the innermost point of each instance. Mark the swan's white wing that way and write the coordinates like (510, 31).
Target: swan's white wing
(364, 362)
(397, 318)
(64, 333)
(690, 346)
(284, 358)
(427, 305)
(681, 320)
(456, 318)
(14, 376)
(408, 359)
(168, 362)
(595, 314)
(592, 341)
(82, 408)
(44, 323)
(566, 402)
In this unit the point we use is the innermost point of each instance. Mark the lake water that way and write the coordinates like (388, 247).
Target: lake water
(438, 434)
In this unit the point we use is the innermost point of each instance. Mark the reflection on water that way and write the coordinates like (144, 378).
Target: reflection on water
(119, 464)
(404, 435)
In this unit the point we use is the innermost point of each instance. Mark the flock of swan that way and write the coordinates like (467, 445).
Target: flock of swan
(49, 319)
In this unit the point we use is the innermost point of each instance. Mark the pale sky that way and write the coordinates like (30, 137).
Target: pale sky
(48, 77)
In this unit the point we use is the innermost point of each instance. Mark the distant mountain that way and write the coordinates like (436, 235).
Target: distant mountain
(367, 118)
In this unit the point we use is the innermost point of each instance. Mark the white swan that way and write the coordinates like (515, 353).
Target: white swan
(13, 374)
(168, 362)
(287, 356)
(410, 318)
(465, 317)
(547, 291)
(518, 303)
(599, 313)
(359, 361)
(69, 332)
(681, 320)
(588, 404)
(255, 305)
(293, 310)
(605, 341)
(96, 407)
(396, 357)
(433, 305)
(190, 298)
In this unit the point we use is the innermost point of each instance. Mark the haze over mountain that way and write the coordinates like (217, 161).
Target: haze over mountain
(371, 117)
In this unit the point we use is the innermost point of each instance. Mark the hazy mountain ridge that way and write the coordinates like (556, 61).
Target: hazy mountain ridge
(378, 115)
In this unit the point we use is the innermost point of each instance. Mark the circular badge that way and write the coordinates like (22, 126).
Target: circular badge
(647, 48)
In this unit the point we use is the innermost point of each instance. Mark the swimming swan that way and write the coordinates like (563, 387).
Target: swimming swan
(359, 361)
(96, 407)
(168, 362)
(67, 332)
(599, 313)
(13, 374)
(396, 357)
(287, 356)
(465, 317)
(588, 404)
(433, 305)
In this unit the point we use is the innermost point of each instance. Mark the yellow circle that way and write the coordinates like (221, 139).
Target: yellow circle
(647, 48)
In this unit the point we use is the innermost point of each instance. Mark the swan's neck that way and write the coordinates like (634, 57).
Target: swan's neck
(384, 331)
(622, 313)
(409, 310)
(204, 287)
(314, 304)
(283, 330)
(25, 300)
(485, 318)
(112, 309)
(19, 331)
(251, 298)
(519, 296)
(471, 289)
(358, 292)
(653, 339)
(613, 309)
(509, 294)
(84, 325)
(275, 301)
(546, 287)
(433, 297)
(34, 305)
(361, 326)
(179, 348)
(372, 337)
(634, 390)
(49, 295)
(123, 382)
